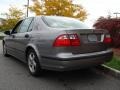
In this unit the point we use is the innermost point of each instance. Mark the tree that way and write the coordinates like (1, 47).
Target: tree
(12, 17)
(112, 25)
(58, 8)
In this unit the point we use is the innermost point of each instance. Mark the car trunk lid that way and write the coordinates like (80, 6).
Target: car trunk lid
(91, 40)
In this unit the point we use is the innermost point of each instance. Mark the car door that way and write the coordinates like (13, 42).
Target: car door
(10, 39)
(22, 37)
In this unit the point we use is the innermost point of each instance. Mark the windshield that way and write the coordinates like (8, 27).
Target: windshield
(64, 22)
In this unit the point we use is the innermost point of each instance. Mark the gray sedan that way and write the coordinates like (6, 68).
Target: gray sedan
(57, 43)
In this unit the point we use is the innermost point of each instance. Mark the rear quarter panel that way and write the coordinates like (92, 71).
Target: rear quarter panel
(43, 38)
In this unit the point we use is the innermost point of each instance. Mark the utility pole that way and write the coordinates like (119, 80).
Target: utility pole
(116, 13)
(27, 7)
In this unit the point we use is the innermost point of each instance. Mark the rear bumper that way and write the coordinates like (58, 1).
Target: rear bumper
(65, 62)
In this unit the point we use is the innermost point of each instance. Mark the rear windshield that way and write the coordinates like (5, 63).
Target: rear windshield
(63, 22)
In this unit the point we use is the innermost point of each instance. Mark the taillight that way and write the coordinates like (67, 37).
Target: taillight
(107, 39)
(74, 40)
(62, 40)
(67, 40)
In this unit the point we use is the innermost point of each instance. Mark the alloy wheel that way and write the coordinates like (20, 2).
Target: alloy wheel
(31, 62)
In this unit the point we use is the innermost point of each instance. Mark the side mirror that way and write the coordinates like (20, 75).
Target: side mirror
(7, 32)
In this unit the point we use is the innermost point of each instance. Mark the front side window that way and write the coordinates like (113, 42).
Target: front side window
(63, 22)
(17, 27)
(25, 25)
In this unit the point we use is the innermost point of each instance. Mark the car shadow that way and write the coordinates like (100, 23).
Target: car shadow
(72, 76)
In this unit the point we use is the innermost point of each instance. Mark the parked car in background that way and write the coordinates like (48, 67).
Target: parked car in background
(57, 43)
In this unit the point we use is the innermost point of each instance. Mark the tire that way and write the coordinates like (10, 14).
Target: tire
(5, 50)
(33, 63)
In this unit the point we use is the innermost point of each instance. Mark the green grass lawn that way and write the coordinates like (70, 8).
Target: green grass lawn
(114, 63)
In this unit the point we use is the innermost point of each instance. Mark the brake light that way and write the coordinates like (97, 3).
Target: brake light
(67, 40)
(74, 40)
(107, 39)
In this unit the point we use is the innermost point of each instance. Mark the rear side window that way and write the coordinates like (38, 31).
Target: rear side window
(63, 22)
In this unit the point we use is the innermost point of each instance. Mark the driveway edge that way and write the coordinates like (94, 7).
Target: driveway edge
(110, 71)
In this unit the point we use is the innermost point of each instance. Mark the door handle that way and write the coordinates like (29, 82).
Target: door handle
(27, 36)
(13, 36)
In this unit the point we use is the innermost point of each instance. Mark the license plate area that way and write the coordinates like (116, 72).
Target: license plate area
(92, 38)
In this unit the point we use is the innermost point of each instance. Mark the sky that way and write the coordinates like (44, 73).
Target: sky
(94, 8)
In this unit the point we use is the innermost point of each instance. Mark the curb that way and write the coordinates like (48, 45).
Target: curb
(109, 71)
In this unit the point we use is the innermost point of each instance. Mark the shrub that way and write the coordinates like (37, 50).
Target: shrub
(113, 26)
